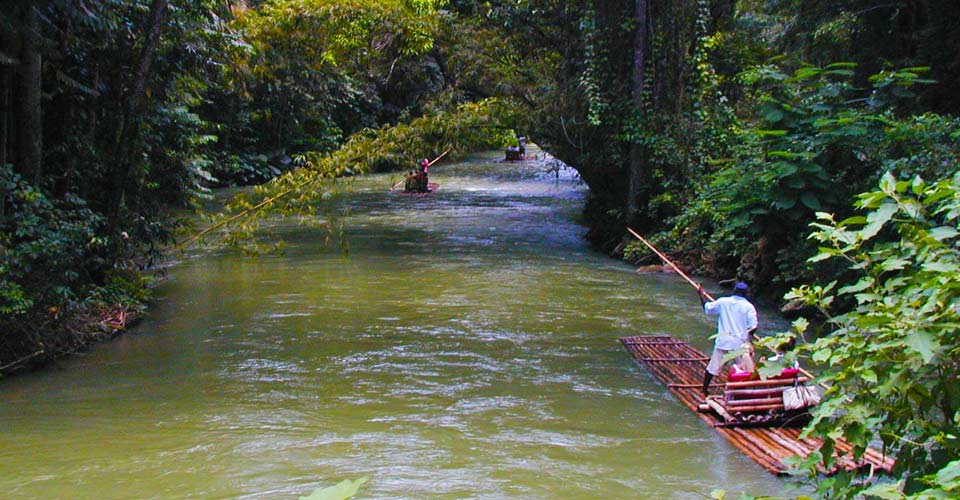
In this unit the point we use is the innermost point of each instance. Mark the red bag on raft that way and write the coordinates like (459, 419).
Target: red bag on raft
(739, 376)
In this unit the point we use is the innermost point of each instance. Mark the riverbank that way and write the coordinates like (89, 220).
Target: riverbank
(54, 332)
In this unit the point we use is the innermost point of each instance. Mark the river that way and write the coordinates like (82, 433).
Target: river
(465, 347)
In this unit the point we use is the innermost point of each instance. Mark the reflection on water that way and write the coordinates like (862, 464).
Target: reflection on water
(465, 348)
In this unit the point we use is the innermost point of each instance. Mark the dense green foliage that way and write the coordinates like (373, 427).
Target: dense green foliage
(303, 75)
(892, 359)
(812, 146)
(723, 128)
(720, 80)
(51, 243)
(87, 170)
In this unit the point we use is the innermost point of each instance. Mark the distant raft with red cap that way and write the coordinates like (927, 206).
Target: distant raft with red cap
(431, 188)
(416, 182)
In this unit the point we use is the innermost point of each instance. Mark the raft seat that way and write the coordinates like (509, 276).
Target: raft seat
(748, 400)
(739, 376)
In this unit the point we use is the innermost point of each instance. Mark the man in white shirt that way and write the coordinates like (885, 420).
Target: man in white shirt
(736, 322)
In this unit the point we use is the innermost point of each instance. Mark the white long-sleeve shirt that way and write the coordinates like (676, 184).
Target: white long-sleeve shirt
(736, 317)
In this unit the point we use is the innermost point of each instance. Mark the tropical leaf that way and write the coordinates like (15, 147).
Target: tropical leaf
(342, 491)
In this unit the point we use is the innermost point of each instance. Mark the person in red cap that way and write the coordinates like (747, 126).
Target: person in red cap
(424, 169)
(736, 323)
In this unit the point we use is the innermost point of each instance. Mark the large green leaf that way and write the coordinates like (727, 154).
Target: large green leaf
(949, 474)
(943, 233)
(773, 114)
(886, 491)
(810, 200)
(877, 218)
(888, 184)
(342, 491)
(924, 343)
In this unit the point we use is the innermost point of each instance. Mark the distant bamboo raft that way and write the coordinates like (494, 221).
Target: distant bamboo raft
(680, 367)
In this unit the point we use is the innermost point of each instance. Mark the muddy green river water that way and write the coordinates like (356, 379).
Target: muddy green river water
(465, 347)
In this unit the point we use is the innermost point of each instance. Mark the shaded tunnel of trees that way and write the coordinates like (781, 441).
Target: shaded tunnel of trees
(719, 127)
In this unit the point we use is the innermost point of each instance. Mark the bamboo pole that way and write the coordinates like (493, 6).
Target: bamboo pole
(736, 403)
(632, 341)
(717, 407)
(671, 370)
(664, 372)
(691, 386)
(660, 371)
(811, 377)
(671, 349)
(753, 392)
(754, 448)
(430, 164)
(755, 408)
(771, 446)
(670, 263)
(792, 445)
(673, 360)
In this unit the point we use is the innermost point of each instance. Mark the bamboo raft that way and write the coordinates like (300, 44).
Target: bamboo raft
(680, 367)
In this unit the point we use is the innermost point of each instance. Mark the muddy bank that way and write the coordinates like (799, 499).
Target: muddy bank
(54, 332)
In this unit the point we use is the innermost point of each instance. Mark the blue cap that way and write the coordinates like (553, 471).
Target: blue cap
(741, 286)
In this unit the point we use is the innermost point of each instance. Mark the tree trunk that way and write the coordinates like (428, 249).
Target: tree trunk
(29, 112)
(4, 124)
(637, 151)
(8, 47)
(127, 145)
(152, 38)
(721, 13)
(5, 83)
(90, 132)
